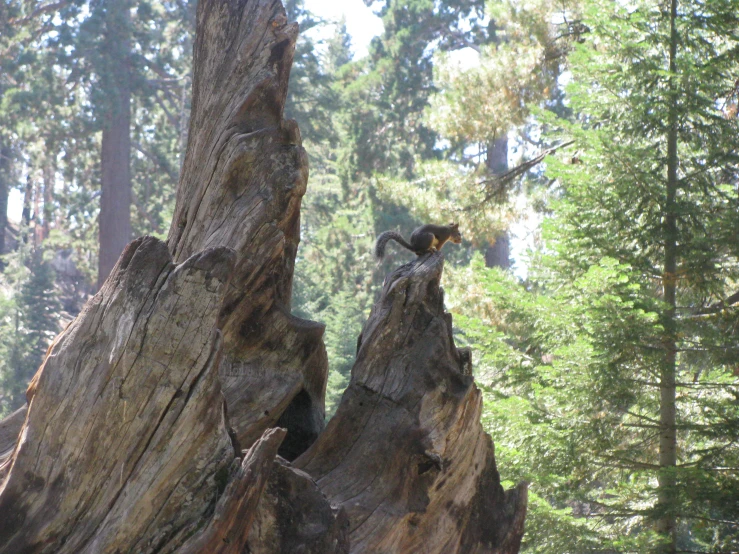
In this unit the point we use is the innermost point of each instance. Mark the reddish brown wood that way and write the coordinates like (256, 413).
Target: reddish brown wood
(115, 159)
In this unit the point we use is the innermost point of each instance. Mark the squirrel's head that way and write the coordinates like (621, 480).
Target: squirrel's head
(456, 237)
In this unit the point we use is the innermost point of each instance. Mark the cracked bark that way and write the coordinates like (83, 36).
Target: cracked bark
(244, 175)
(127, 442)
(125, 431)
(405, 455)
(133, 434)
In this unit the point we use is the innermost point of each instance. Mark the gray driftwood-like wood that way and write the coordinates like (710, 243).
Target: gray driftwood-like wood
(405, 455)
(10, 428)
(125, 433)
(230, 525)
(134, 437)
(243, 178)
(126, 446)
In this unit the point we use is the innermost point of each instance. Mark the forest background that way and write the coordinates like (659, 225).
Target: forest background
(606, 132)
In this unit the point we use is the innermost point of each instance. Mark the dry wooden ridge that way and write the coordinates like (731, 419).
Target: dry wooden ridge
(155, 422)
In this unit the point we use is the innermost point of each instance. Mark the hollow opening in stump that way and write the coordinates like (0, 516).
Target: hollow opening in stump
(303, 426)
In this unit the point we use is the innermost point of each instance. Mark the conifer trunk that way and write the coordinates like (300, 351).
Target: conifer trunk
(115, 159)
(4, 191)
(27, 199)
(496, 161)
(666, 524)
(37, 196)
(49, 177)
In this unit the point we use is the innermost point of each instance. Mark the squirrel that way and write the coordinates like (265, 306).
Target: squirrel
(426, 238)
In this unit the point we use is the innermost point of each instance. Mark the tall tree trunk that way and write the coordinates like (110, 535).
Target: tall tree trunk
(667, 523)
(27, 201)
(5, 154)
(115, 159)
(498, 254)
(37, 196)
(49, 178)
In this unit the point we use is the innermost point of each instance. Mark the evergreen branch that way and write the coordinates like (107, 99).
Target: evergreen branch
(144, 213)
(641, 425)
(718, 307)
(497, 184)
(172, 120)
(698, 385)
(628, 463)
(159, 70)
(643, 382)
(40, 11)
(164, 82)
(156, 161)
(622, 513)
(639, 416)
(705, 551)
(712, 520)
(463, 42)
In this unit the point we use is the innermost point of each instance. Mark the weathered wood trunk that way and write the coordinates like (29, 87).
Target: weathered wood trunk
(124, 434)
(405, 454)
(136, 433)
(243, 178)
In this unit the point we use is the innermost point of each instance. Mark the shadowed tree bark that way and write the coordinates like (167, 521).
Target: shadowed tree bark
(150, 424)
(244, 175)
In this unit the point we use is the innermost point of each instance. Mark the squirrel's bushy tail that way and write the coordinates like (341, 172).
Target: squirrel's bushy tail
(386, 237)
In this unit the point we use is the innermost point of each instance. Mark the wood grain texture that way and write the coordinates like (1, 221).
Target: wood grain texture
(126, 431)
(295, 516)
(405, 455)
(228, 529)
(10, 428)
(243, 178)
(126, 443)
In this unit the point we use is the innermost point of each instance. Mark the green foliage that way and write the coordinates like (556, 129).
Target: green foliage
(333, 273)
(441, 192)
(30, 311)
(375, 107)
(570, 361)
(311, 96)
(389, 90)
(60, 72)
(575, 358)
(518, 66)
(61, 76)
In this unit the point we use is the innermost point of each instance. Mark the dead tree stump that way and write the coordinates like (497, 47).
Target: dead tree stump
(243, 178)
(125, 436)
(405, 455)
(136, 433)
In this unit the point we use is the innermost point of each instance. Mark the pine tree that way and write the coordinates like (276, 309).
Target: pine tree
(311, 96)
(91, 78)
(621, 360)
(30, 321)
